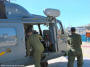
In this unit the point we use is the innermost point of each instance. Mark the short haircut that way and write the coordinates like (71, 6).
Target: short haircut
(29, 29)
(73, 29)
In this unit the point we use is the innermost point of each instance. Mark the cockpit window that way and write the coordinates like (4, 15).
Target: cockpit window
(45, 27)
(7, 37)
(59, 28)
(35, 27)
(42, 26)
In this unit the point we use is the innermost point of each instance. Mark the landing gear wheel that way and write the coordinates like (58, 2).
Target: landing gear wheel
(44, 64)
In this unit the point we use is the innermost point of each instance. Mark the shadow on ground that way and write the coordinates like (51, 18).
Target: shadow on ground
(64, 64)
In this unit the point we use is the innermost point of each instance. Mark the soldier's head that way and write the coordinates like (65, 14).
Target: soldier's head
(29, 30)
(73, 30)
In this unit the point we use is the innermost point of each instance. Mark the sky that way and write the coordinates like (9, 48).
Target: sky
(72, 12)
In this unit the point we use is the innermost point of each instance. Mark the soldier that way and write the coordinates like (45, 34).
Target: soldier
(37, 47)
(76, 51)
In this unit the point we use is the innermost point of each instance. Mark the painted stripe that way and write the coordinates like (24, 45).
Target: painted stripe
(2, 53)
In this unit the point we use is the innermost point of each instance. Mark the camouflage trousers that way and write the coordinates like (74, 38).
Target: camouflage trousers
(71, 59)
(37, 58)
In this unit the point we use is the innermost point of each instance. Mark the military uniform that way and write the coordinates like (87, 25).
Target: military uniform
(76, 51)
(34, 42)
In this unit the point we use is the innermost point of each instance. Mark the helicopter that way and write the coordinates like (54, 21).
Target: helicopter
(14, 20)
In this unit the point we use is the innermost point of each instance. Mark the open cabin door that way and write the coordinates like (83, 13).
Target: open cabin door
(61, 38)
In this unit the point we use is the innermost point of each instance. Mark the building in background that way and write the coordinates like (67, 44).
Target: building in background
(84, 31)
(88, 35)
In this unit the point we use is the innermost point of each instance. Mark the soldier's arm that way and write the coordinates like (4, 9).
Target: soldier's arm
(40, 37)
(69, 40)
(28, 47)
(80, 40)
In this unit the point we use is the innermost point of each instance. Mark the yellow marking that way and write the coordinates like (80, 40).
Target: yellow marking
(8, 50)
(2, 53)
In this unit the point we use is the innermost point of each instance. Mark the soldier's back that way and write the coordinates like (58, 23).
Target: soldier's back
(35, 43)
(75, 41)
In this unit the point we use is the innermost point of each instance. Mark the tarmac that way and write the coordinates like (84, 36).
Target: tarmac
(62, 61)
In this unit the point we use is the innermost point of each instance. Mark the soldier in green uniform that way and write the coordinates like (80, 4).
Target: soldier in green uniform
(37, 47)
(76, 51)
